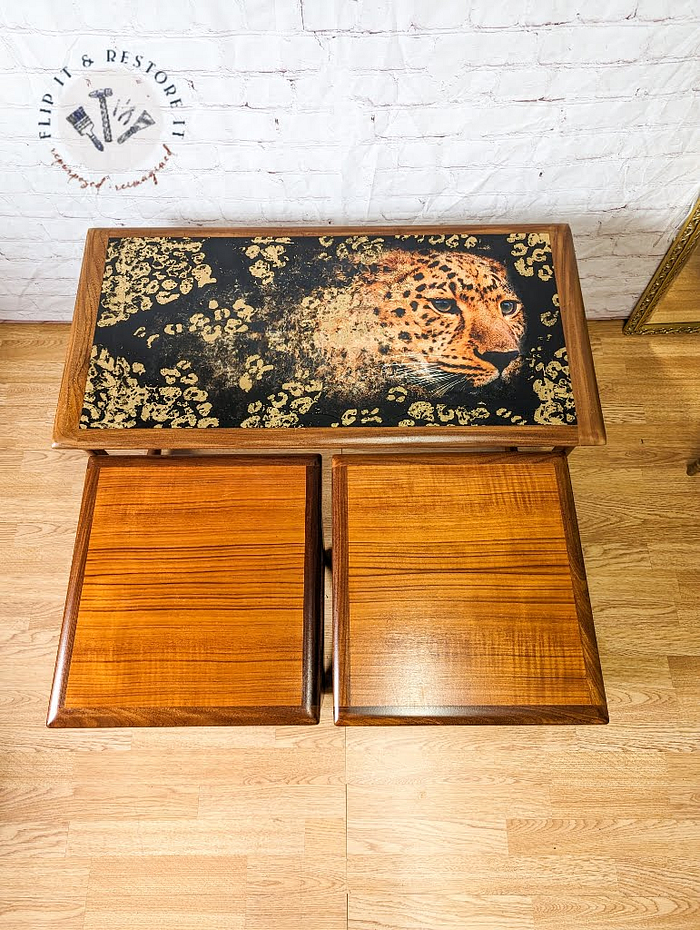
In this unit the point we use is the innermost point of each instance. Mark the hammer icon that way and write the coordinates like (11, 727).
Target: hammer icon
(104, 113)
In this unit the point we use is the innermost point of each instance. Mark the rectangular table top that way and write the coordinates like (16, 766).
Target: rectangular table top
(460, 592)
(195, 594)
(329, 337)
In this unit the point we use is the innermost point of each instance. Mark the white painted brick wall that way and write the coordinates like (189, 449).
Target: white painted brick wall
(371, 111)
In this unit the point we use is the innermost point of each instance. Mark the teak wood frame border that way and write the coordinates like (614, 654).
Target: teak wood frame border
(589, 429)
(346, 714)
(677, 254)
(308, 710)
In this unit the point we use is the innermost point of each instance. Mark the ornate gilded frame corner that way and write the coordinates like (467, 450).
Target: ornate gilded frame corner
(670, 265)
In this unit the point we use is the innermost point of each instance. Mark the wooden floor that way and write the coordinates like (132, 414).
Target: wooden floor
(324, 828)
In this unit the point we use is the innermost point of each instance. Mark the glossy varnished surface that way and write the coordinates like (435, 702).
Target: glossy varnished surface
(460, 593)
(554, 374)
(328, 828)
(193, 597)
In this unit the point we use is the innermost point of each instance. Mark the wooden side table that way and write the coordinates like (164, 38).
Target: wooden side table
(195, 594)
(460, 592)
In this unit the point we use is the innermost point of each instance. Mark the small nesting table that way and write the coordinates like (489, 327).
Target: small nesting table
(413, 341)
(195, 595)
(461, 592)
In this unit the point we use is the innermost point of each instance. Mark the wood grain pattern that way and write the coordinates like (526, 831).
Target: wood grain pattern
(591, 426)
(460, 592)
(194, 595)
(439, 912)
(75, 371)
(632, 496)
(588, 431)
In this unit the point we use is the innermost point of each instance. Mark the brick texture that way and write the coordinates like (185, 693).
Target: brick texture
(370, 111)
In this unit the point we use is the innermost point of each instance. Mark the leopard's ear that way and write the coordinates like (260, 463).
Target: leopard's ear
(390, 261)
(396, 259)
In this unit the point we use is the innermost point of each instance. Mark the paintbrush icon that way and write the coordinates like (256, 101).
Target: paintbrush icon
(82, 124)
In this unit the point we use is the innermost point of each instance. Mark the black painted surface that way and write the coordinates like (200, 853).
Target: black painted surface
(229, 332)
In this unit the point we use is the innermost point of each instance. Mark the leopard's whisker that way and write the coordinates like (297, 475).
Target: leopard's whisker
(448, 384)
(416, 369)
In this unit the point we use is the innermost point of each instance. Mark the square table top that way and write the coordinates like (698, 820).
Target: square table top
(460, 592)
(329, 337)
(195, 593)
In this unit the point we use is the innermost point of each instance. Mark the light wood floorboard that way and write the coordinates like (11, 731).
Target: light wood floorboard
(593, 828)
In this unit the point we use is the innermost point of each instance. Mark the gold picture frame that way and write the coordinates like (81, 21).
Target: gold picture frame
(683, 255)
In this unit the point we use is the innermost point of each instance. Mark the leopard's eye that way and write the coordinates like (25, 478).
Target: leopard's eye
(509, 307)
(444, 304)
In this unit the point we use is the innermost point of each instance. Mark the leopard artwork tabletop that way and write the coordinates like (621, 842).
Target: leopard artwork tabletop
(243, 338)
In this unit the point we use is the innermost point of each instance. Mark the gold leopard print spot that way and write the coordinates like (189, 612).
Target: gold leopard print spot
(435, 319)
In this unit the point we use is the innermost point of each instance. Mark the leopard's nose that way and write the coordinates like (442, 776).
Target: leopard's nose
(500, 360)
